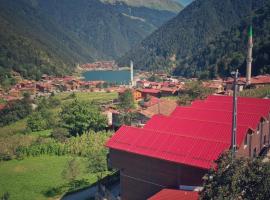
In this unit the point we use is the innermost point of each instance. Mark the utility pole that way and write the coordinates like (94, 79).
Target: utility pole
(234, 113)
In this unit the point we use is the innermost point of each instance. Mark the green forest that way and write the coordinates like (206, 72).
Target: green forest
(51, 37)
(228, 50)
(192, 47)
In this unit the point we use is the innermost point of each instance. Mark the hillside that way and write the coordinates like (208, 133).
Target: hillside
(228, 50)
(52, 36)
(187, 33)
(168, 5)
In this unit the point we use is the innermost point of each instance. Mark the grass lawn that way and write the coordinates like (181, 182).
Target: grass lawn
(31, 178)
(89, 96)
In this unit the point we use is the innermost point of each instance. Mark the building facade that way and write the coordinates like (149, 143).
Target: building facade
(175, 152)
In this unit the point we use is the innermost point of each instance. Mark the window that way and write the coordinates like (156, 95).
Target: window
(254, 152)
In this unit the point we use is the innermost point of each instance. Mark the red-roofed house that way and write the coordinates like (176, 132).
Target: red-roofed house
(151, 92)
(256, 81)
(167, 194)
(177, 151)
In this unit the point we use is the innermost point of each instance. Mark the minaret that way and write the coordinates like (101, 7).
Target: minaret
(249, 56)
(131, 74)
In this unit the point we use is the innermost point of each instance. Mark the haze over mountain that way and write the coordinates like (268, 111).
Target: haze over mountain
(189, 32)
(184, 2)
(168, 5)
(51, 36)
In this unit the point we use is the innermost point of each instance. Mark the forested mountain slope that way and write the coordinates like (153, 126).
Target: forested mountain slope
(52, 36)
(168, 5)
(189, 32)
(228, 50)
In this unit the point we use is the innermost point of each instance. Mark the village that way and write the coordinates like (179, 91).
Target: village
(153, 96)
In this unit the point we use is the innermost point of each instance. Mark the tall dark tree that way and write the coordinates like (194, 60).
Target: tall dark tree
(239, 178)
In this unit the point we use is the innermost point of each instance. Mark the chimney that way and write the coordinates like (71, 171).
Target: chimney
(249, 56)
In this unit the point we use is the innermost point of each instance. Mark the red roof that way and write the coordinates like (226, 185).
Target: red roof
(242, 100)
(262, 79)
(250, 120)
(167, 146)
(196, 138)
(260, 108)
(167, 194)
(208, 130)
(150, 91)
(2, 106)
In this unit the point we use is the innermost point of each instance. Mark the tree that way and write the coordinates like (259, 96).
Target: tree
(240, 178)
(79, 117)
(36, 122)
(15, 110)
(5, 196)
(98, 164)
(193, 90)
(60, 134)
(72, 171)
(41, 120)
(126, 100)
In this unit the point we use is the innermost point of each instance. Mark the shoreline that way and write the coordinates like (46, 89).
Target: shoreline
(102, 69)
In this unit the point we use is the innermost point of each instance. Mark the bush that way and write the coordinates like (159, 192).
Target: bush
(85, 145)
(41, 120)
(60, 134)
(15, 111)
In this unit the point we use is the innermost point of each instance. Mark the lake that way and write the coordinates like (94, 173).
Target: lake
(118, 77)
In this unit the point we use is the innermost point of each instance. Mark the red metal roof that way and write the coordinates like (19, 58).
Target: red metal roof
(168, 146)
(242, 100)
(197, 128)
(261, 108)
(195, 135)
(168, 194)
(250, 120)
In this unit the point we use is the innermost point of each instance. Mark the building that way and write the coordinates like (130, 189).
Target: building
(254, 82)
(176, 151)
(150, 92)
(167, 194)
(158, 106)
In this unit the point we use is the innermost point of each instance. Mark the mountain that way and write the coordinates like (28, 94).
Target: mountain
(187, 33)
(184, 2)
(52, 36)
(228, 50)
(168, 5)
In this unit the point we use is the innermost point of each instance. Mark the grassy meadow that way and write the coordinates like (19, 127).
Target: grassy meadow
(35, 178)
(38, 178)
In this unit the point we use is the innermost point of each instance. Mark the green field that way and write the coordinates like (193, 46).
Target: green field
(89, 96)
(32, 178)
